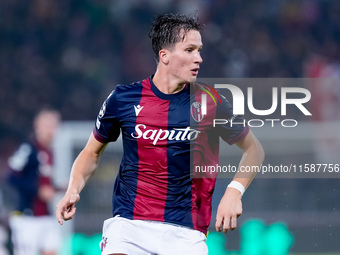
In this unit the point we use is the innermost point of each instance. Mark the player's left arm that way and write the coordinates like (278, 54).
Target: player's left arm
(230, 207)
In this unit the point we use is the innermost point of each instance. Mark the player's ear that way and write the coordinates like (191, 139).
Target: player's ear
(164, 56)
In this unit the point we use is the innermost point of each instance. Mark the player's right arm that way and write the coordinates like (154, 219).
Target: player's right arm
(82, 170)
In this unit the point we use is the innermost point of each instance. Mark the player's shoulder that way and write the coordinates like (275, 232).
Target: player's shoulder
(22, 156)
(123, 93)
(28, 146)
(199, 88)
(122, 88)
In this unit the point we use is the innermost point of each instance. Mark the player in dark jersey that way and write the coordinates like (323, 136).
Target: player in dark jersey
(31, 168)
(159, 205)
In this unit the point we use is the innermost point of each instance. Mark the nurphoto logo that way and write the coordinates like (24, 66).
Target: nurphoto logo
(281, 97)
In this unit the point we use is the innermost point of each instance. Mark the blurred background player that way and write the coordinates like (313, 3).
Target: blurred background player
(34, 230)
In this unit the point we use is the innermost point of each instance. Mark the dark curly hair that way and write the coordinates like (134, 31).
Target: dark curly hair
(165, 30)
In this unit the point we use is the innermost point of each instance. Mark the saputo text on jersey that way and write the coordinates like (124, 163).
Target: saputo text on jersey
(178, 134)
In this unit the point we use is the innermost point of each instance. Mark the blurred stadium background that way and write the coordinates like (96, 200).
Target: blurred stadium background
(71, 54)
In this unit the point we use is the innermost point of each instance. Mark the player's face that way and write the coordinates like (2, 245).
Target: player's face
(45, 127)
(185, 57)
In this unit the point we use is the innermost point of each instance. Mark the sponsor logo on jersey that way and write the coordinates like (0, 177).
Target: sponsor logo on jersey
(178, 134)
(138, 108)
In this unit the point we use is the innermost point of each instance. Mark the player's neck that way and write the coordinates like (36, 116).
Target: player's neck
(167, 84)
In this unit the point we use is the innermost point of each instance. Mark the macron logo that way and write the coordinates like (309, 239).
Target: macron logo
(138, 108)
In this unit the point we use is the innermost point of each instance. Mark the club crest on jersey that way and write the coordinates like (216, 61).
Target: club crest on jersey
(196, 111)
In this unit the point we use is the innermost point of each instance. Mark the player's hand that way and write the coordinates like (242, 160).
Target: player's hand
(229, 209)
(66, 207)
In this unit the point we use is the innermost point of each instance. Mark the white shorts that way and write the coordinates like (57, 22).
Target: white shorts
(141, 237)
(31, 235)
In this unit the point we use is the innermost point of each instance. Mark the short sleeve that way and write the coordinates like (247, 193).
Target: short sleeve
(107, 127)
(232, 128)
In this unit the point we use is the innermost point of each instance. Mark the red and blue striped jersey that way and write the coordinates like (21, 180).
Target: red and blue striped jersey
(159, 133)
(31, 167)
